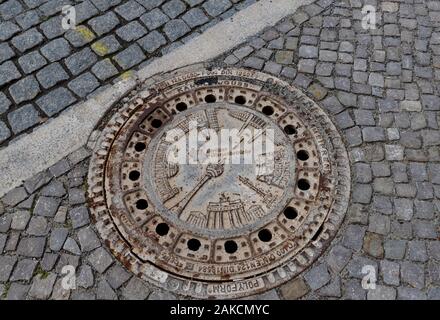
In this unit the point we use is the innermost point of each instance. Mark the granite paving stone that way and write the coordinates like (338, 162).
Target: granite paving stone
(31, 62)
(51, 75)
(23, 118)
(32, 247)
(129, 57)
(84, 84)
(55, 101)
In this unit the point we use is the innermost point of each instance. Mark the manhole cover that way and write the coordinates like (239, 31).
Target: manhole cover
(219, 183)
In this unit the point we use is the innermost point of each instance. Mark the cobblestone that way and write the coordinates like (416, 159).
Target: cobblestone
(38, 226)
(57, 238)
(294, 289)
(55, 101)
(390, 272)
(28, 19)
(80, 36)
(353, 290)
(31, 62)
(20, 220)
(382, 293)
(6, 266)
(412, 274)
(51, 75)
(106, 45)
(25, 89)
(132, 31)
(152, 41)
(100, 260)
(408, 293)
(105, 292)
(317, 277)
(175, 29)
(71, 246)
(23, 118)
(4, 103)
(54, 189)
(32, 247)
(88, 239)
(216, 7)
(130, 10)
(195, 17)
(154, 19)
(135, 290)
(80, 61)
(56, 49)
(42, 286)
(27, 40)
(24, 270)
(85, 277)
(46, 206)
(173, 8)
(105, 23)
(104, 69)
(130, 57)
(373, 245)
(84, 84)
(15, 196)
(79, 217)
(117, 276)
(17, 291)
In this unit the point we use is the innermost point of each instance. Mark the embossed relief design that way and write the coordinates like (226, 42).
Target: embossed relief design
(221, 195)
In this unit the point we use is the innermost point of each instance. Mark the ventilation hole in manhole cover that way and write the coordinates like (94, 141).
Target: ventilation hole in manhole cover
(134, 175)
(140, 146)
(162, 229)
(220, 183)
(231, 246)
(290, 213)
(194, 244)
(156, 123)
(240, 100)
(268, 110)
(181, 106)
(265, 235)
(142, 204)
(210, 98)
(289, 129)
(303, 184)
(302, 155)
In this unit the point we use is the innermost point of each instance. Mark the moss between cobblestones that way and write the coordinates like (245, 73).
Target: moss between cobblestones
(40, 272)
(34, 203)
(6, 290)
(68, 223)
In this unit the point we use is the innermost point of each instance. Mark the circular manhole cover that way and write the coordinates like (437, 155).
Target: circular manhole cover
(219, 183)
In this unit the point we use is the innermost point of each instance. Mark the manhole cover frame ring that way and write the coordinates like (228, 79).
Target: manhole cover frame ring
(173, 282)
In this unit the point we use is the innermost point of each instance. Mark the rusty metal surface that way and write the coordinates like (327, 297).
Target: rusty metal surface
(218, 230)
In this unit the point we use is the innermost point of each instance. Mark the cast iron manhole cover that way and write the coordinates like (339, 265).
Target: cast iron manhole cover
(219, 183)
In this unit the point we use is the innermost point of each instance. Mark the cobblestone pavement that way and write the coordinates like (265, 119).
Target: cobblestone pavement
(381, 88)
(44, 68)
